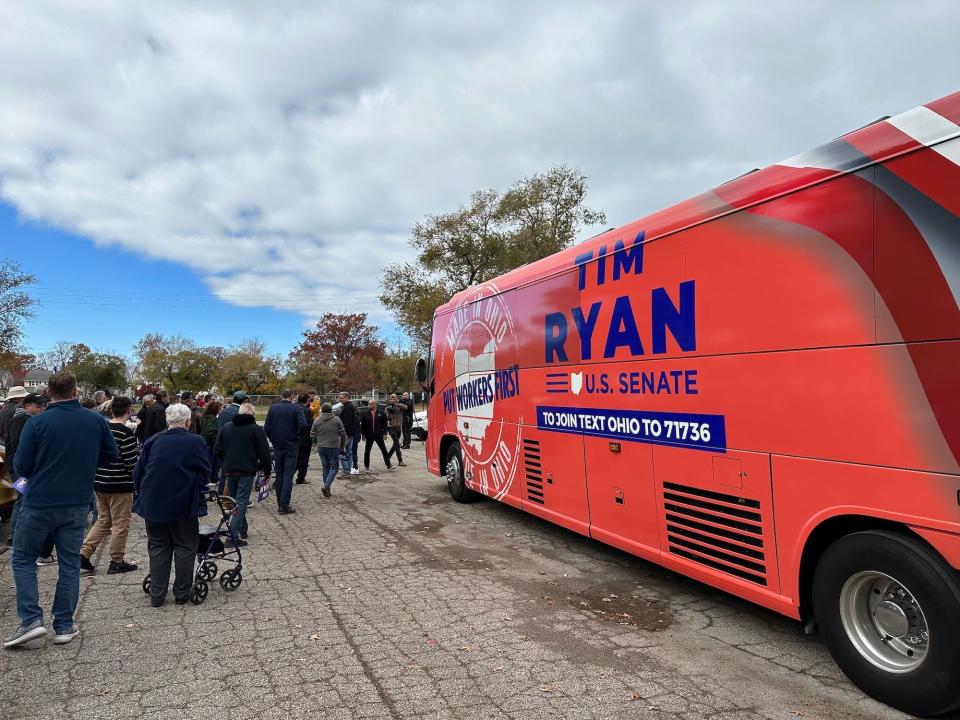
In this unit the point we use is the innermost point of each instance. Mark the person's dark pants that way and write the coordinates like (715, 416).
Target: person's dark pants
(303, 460)
(46, 550)
(407, 429)
(355, 450)
(239, 487)
(67, 525)
(395, 447)
(176, 542)
(368, 443)
(215, 474)
(284, 466)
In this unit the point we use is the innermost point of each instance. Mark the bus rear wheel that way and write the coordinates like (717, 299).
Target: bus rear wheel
(456, 480)
(888, 609)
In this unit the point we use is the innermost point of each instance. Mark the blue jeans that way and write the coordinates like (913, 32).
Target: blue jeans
(330, 460)
(346, 459)
(239, 489)
(284, 466)
(356, 449)
(67, 525)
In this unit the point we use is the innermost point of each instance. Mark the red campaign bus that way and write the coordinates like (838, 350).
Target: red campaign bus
(757, 388)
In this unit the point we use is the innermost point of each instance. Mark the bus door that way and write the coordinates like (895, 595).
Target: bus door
(716, 514)
(623, 511)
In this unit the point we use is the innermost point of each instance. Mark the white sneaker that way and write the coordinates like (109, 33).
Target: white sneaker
(50, 560)
(62, 638)
(354, 471)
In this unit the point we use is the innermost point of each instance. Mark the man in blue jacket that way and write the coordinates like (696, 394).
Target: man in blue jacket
(285, 425)
(170, 477)
(58, 453)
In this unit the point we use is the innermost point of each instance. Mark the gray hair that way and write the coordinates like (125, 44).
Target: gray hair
(148, 398)
(177, 415)
(247, 409)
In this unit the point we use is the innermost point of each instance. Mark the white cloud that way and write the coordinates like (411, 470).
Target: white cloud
(283, 150)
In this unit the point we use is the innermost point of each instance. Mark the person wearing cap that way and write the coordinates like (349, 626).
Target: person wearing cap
(16, 394)
(228, 413)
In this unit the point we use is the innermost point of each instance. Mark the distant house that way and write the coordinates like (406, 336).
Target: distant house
(36, 378)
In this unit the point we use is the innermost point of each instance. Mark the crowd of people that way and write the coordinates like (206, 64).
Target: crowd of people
(71, 460)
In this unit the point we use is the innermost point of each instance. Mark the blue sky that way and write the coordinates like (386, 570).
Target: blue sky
(109, 298)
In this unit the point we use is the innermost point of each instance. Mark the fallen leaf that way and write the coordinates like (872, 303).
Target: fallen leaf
(605, 600)
(315, 636)
(130, 625)
(496, 669)
(635, 696)
(431, 641)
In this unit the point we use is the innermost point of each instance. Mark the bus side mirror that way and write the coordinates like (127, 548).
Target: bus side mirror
(421, 371)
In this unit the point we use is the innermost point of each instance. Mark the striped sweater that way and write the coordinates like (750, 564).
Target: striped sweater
(117, 476)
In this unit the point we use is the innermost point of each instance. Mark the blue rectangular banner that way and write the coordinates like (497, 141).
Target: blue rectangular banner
(697, 432)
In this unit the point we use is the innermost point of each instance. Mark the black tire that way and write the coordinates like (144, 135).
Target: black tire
(933, 686)
(456, 482)
(198, 593)
(146, 585)
(207, 571)
(230, 580)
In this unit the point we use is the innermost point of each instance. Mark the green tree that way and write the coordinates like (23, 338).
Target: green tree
(15, 305)
(248, 366)
(98, 371)
(486, 237)
(177, 363)
(394, 371)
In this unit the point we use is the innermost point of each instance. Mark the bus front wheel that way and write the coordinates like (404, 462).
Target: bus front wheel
(888, 609)
(456, 481)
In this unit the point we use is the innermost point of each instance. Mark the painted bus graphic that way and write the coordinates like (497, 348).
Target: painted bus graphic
(757, 388)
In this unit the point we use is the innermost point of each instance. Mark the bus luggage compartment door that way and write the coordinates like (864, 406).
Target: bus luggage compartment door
(716, 515)
(553, 484)
(623, 510)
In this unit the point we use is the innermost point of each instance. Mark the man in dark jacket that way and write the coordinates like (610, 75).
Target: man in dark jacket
(303, 453)
(31, 405)
(407, 400)
(243, 451)
(170, 478)
(59, 452)
(190, 401)
(351, 426)
(154, 417)
(228, 413)
(284, 426)
(373, 424)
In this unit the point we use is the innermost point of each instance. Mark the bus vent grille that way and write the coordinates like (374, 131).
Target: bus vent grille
(724, 532)
(533, 470)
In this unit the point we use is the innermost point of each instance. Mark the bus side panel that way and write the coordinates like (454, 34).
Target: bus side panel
(795, 272)
(553, 485)
(716, 513)
(623, 510)
(808, 492)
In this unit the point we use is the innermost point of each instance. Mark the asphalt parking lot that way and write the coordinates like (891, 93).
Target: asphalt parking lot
(391, 601)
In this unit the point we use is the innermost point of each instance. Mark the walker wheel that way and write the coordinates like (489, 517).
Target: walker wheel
(231, 579)
(208, 571)
(146, 585)
(198, 593)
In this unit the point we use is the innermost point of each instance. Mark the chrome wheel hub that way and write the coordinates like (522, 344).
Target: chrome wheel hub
(884, 622)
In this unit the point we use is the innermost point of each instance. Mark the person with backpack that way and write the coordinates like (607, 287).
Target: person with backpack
(328, 435)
